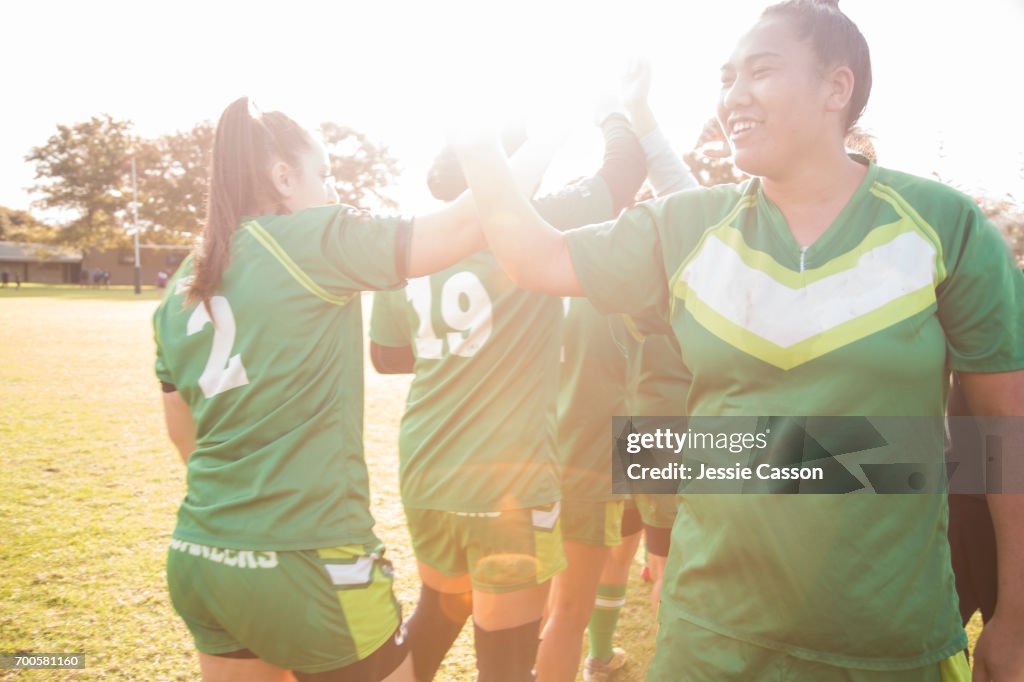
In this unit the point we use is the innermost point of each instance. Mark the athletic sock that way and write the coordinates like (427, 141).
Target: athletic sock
(506, 655)
(601, 630)
(433, 627)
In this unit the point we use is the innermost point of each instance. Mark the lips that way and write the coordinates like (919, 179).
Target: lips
(741, 128)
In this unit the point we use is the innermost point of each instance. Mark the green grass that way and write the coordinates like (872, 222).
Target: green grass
(76, 292)
(90, 486)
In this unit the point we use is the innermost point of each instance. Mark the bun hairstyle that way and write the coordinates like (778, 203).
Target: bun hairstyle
(246, 145)
(836, 40)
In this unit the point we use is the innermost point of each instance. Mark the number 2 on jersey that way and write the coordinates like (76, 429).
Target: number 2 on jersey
(223, 371)
(465, 308)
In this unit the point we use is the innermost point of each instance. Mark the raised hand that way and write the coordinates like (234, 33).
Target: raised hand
(636, 84)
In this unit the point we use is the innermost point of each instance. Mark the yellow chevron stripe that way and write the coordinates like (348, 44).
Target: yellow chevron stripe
(271, 245)
(905, 210)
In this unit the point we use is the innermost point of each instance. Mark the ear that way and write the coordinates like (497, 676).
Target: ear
(839, 88)
(283, 177)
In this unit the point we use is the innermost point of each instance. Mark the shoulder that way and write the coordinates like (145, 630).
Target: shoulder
(316, 218)
(692, 212)
(720, 199)
(942, 206)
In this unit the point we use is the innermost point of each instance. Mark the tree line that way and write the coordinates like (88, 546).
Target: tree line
(84, 171)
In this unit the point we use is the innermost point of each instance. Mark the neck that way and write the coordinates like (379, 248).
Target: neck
(815, 181)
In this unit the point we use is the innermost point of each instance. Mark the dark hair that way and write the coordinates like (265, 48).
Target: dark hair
(836, 40)
(445, 179)
(247, 143)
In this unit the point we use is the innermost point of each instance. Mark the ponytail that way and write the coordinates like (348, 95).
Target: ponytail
(246, 145)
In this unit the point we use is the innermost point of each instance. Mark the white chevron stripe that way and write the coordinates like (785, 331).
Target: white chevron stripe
(358, 573)
(755, 301)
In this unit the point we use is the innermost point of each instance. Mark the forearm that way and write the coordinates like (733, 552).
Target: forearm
(665, 169)
(444, 237)
(1007, 514)
(181, 428)
(392, 359)
(623, 168)
(533, 253)
(997, 402)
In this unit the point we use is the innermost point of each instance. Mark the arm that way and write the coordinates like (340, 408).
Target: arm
(392, 359)
(533, 253)
(623, 168)
(665, 168)
(998, 655)
(180, 427)
(444, 237)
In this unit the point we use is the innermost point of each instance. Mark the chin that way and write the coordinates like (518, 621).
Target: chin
(752, 162)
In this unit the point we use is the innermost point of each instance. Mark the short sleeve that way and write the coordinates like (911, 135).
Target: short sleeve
(389, 325)
(621, 267)
(981, 302)
(583, 203)
(370, 253)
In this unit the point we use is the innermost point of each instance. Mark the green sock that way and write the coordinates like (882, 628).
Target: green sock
(610, 600)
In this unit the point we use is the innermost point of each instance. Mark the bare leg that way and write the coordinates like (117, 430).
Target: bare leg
(572, 600)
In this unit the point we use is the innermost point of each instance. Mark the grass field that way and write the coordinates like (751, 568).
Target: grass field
(90, 486)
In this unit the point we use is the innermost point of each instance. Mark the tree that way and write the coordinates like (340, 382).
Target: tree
(84, 168)
(22, 226)
(172, 178)
(362, 169)
(711, 171)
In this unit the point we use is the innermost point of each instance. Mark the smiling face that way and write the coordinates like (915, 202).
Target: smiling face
(776, 106)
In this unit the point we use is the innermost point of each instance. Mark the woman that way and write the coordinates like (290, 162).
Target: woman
(487, 497)
(273, 564)
(824, 286)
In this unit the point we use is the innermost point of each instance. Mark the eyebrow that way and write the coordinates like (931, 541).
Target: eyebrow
(749, 59)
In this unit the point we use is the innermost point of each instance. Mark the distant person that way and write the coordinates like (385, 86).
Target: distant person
(5, 277)
(17, 280)
(161, 279)
(106, 279)
(97, 277)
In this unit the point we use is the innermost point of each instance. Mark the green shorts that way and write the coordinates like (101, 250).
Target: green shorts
(657, 511)
(592, 523)
(689, 653)
(310, 611)
(501, 551)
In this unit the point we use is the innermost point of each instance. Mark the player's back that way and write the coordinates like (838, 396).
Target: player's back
(478, 432)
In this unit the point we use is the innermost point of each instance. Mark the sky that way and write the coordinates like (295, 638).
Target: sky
(947, 96)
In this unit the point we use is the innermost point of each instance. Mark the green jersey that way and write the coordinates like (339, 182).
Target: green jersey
(908, 281)
(658, 379)
(592, 391)
(478, 433)
(274, 379)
